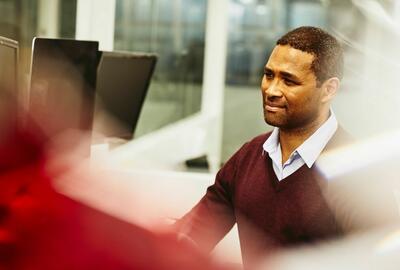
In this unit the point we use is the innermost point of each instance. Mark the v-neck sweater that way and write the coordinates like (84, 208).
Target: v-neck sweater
(269, 213)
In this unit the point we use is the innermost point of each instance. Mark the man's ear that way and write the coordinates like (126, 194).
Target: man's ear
(329, 89)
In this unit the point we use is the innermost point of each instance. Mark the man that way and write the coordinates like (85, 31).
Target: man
(271, 187)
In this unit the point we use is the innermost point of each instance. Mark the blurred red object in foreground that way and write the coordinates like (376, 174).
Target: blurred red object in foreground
(42, 229)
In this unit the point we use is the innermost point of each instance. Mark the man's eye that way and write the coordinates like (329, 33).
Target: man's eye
(290, 82)
(269, 75)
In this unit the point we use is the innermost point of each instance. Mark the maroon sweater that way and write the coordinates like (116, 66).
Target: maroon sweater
(269, 213)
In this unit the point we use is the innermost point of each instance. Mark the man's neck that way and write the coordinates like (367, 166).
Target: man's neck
(290, 139)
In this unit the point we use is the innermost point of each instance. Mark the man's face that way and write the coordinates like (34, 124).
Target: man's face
(291, 98)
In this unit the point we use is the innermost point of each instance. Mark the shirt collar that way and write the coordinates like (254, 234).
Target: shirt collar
(272, 143)
(311, 148)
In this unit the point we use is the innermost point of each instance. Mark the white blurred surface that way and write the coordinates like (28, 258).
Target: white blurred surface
(149, 198)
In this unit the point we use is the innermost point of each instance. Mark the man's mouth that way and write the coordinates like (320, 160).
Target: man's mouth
(273, 107)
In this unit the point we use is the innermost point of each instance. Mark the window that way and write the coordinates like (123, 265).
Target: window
(175, 31)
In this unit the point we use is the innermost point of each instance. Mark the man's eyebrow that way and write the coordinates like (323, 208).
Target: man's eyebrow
(266, 69)
(289, 75)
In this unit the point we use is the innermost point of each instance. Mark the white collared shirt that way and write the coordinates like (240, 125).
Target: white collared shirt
(307, 153)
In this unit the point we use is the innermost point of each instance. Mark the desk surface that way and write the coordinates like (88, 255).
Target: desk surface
(144, 197)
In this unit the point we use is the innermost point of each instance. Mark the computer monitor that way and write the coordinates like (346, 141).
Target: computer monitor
(9, 93)
(63, 83)
(123, 79)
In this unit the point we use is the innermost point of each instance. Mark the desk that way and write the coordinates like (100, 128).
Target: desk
(146, 197)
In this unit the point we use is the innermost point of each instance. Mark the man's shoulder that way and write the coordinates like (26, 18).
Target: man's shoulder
(339, 139)
(253, 145)
(259, 140)
(248, 153)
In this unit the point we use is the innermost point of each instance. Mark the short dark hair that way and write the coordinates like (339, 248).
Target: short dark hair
(327, 51)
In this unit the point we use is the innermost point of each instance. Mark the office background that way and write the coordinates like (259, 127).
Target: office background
(177, 31)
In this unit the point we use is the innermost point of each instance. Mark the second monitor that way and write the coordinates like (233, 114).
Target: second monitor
(123, 79)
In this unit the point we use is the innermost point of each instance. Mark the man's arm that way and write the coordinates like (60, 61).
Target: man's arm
(212, 218)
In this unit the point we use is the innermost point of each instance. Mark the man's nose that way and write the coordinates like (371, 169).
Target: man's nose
(272, 89)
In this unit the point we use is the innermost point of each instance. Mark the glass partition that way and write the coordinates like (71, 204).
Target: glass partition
(175, 31)
(19, 20)
(23, 20)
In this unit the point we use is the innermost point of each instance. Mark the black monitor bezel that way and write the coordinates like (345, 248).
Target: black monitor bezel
(127, 54)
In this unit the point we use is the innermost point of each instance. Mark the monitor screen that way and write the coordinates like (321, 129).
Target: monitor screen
(122, 82)
(63, 82)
